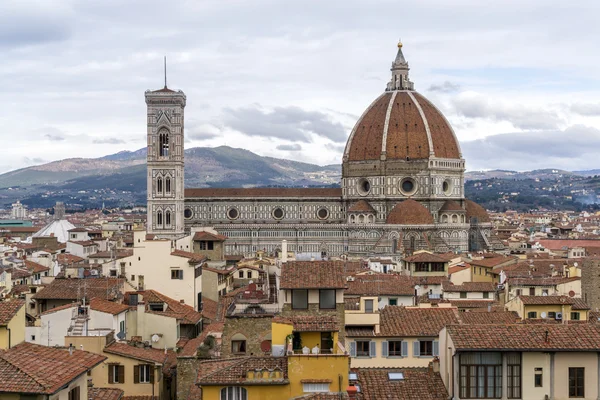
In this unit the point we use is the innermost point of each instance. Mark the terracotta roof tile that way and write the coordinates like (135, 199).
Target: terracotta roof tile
(491, 317)
(314, 323)
(469, 287)
(451, 205)
(547, 300)
(474, 210)
(313, 275)
(193, 257)
(209, 308)
(361, 206)
(525, 337)
(109, 307)
(380, 285)
(189, 349)
(95, 393)
(60, 308)
(203, 235)
(34, 267)
(8, 309)
(25, 368)
(360, 331)
(74, 289)
(409, 212)
(174, 309)
(467, 303)
(234, 370)
(66, 258)
(139, 353)
(410, 322)
(418, 383)
(425, 257)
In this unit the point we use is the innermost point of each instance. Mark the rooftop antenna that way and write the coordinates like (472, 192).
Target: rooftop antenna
(165, 72)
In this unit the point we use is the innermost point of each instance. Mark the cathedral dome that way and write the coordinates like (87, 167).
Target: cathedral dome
(474, 210)
(409, 212)
(401, 124)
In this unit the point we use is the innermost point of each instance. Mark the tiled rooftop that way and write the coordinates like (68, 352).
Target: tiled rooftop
(564, 337)
(410, 322)
(31, 368)
(234, 370)
(313, 275)
(417, 384)
(8, 309)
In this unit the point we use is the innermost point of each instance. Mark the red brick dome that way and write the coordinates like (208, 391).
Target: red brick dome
(475, 210)
(451, 205)
(402, 124)
(409, 212)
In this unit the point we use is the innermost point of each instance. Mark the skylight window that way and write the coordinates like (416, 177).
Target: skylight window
(353, 376)
(395, 376)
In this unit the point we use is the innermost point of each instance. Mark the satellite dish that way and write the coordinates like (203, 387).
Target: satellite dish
(121, 335)
(155, 338)
(543, 315)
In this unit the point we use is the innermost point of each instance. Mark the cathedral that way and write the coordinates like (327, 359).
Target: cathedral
(402, 187)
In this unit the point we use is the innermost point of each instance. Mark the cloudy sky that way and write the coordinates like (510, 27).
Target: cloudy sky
(517, 79)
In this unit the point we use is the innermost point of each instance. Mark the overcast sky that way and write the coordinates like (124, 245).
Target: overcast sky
(518, 80)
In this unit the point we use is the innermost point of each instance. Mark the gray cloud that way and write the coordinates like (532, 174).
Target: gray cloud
(24, 23)
(197, 130)
(446, 87)
(34, 160)
(289, 147)
(571, 149)
(108, 140)
(586, 109)
(291, 123)
(520, 116)
(54, 137)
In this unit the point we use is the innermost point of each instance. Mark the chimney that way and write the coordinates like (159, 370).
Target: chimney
(435, 365)
(71, 349)
(352, 391)
(182, 301)
(490, 307)
(284, 251)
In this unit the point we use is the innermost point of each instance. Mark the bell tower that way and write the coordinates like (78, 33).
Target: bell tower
(165, 185)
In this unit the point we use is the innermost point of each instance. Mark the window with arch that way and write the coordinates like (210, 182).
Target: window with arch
(163, 144)
(361, 219)
(159, 185)
(454, 219)
(167, 218)
(168, 184)
(159, 218)
(444, 219)
(234, 393)
(352, 219)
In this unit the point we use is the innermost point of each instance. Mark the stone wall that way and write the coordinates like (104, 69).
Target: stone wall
(256, 328)
(590, 282)
(187, 371)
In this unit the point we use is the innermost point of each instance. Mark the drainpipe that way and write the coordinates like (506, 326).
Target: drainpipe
(9, 336)
(552, 376)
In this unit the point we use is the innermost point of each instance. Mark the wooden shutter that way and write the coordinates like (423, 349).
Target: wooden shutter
(436, 348)
(372, 349)
(384, 349)
(110, 374)
(136, 374)
(404, 350)
(76, 393)
(121, 373)
(416, 348)
(352, 349)
(151, 367)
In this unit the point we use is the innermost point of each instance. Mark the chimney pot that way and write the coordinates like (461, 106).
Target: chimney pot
(352, 391)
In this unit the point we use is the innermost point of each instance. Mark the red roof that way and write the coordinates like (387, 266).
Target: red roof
(95, 393)
(193, 257)
(311, 323)
(409, 212)
(425, 257)
(234, 370)
(313, 275)
(380, 285)
(31, 368)
(417, 384)
(8, 309)
(203, 235)
(108, 307)
(139, 353)
(361, 206)
(400, 321)
(469, 287)
(524, 337)
(75, 289)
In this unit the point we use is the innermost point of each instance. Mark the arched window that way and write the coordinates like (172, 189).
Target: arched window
(454, 219)
(159, 218)
(234, 393)
(352, 219)
(361, 219)
(444, 219)
(163, 144)
(159, 187)
(167, 218)
(168, 185)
